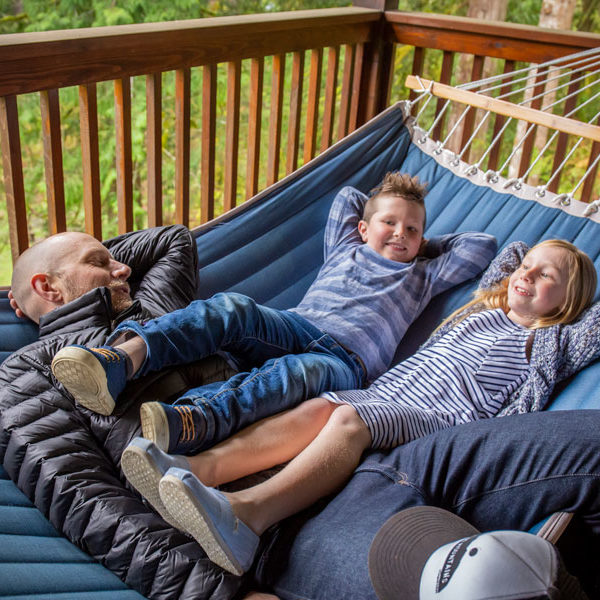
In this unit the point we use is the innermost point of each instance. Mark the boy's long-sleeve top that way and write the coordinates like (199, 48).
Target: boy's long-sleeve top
(557, 352)
(367, 302)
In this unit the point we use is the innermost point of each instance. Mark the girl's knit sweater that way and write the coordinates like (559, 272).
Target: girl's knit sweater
(557, 352)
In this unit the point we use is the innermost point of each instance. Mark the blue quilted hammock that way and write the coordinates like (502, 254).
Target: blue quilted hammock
(271, 249)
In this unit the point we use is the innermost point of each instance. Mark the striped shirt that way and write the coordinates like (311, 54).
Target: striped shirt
(367, 302)
(467, 375)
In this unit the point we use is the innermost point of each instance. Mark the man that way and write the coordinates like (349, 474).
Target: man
(65, 458)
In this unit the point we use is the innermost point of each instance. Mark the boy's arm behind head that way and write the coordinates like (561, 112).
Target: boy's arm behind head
(345, 214)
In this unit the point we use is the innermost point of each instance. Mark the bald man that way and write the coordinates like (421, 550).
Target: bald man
(67, 459)
(62, 268)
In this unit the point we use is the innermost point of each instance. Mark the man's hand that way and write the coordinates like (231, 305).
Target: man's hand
(15, 306)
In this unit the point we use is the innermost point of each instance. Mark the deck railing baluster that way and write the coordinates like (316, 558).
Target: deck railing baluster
(353, 121)
(88, 124)
(346, 92)
(277, 81)
(333, 63)
(312, 108)
(55, 188)
(254, 125)
(182, 146)
(295, 111)
(209, 118)
(123, 151)
(154, 148)
(234, 70)
(563, 138)
(13, 175)
(492, 164)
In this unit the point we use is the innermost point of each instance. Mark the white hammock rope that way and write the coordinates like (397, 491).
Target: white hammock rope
(567, 77)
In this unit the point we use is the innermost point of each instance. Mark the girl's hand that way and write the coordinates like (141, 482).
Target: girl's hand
(15, 306)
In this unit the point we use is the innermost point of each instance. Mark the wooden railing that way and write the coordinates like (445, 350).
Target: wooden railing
(230, 104)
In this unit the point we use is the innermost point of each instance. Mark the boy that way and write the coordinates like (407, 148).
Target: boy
(378, 275)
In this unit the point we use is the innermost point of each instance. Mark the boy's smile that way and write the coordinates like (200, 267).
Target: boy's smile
(395, 229)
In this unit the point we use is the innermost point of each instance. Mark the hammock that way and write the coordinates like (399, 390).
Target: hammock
(271, 249)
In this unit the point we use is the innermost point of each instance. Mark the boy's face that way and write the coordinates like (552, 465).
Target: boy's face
(395, 229)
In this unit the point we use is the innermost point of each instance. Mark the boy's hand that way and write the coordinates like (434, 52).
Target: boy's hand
(422, 247)
(15, 306)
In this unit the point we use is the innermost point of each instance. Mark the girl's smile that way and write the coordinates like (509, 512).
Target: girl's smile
(539, 286)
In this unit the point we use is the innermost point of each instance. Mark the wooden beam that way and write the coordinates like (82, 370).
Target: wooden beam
(53, 59)
(507, 109)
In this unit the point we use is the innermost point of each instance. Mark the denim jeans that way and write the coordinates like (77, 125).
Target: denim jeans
(505, 473)
(288, 360)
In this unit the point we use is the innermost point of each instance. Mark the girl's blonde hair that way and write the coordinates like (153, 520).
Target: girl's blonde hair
(581, 287)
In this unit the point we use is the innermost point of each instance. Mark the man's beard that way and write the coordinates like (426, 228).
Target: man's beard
(120, 300)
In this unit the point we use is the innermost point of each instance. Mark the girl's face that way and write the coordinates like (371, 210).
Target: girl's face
(539, 286)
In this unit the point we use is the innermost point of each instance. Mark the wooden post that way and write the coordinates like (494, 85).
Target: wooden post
(377, 67)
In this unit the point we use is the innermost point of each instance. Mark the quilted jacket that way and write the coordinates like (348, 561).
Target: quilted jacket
(66, 459)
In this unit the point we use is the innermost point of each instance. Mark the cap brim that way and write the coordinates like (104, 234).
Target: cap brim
(403, 545)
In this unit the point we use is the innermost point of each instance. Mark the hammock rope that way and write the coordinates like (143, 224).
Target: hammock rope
(561, 82)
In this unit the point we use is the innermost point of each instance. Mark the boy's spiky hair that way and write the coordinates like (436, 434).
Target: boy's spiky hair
(402, 185)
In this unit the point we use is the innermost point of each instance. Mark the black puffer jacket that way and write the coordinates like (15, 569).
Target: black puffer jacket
(66, 459)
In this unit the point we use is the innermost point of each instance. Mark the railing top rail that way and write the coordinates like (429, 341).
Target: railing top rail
(488, 38)
(36, 61)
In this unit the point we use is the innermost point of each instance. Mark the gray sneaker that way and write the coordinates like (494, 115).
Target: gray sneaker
(144, 464)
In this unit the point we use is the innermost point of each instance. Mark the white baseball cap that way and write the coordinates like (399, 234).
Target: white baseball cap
(426, 553)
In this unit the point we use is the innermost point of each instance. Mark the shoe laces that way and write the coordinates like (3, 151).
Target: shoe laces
(188, 432)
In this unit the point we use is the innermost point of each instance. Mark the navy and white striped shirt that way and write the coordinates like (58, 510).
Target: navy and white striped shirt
(367, 302)
(466, 375)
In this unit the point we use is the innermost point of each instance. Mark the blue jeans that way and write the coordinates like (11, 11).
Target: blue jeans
(289, 360)
(505, 473)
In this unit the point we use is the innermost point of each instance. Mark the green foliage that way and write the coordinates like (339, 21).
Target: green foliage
(42, 15)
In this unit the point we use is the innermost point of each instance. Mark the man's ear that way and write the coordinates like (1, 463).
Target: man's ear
(362, 229)
(45, 289)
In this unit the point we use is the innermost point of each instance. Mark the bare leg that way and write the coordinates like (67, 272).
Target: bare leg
(320, 469)
(269, 442)
(135, 348)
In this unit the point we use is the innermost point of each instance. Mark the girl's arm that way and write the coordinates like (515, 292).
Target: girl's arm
(579, 342)
(505, 263)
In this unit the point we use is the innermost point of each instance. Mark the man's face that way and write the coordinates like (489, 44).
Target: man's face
(86, 265)
(395, 229)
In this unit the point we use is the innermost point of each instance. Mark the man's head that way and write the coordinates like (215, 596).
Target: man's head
(394, 218)
(62, 268)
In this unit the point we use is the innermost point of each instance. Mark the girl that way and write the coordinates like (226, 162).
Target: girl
(501, 353)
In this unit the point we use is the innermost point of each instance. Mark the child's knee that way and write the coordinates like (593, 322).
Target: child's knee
(317, 408)
(347, 419)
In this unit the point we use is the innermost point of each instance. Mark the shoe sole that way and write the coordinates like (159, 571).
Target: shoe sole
(144, 475)
(192, 517)
(85, 379)
(155, 426)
